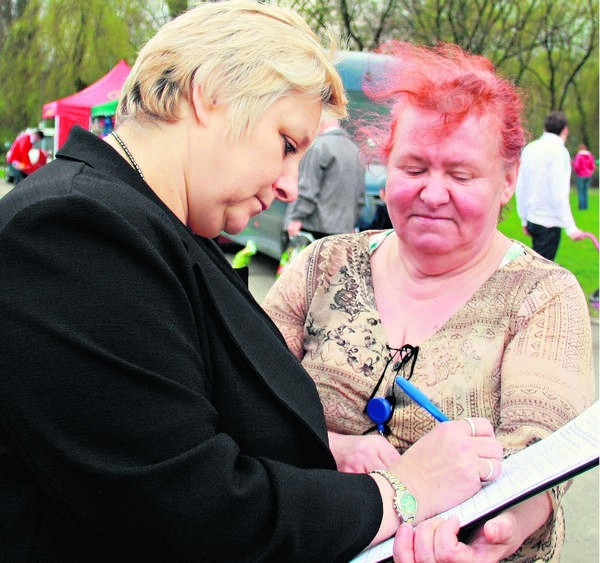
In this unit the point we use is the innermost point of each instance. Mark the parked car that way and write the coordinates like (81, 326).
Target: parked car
(266, 229)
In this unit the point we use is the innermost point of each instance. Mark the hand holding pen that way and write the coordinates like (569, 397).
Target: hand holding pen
(380, 409)
(422, 400)
(449, 451)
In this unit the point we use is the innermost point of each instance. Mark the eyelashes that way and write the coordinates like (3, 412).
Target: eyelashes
(288, 146)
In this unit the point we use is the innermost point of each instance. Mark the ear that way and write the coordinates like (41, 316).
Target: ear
(200, 107)
(510, 181)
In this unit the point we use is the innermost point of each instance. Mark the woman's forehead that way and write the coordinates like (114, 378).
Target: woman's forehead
(420, 133)
(434, 126)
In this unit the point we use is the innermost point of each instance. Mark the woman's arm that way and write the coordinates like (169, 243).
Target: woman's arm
(546, 380)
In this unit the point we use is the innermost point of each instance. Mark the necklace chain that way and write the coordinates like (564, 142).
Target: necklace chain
(128, 153)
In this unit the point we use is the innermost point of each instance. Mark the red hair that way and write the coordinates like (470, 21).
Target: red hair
(447, 80)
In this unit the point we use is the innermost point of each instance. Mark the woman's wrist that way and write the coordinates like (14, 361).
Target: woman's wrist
(389, 520)
(405, 503)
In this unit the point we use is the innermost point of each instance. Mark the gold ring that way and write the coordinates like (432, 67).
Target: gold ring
(471, 426)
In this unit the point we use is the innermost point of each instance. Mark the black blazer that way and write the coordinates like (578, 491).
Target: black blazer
(149, 409)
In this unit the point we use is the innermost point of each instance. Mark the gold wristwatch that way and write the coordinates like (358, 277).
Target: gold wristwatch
(405, 504)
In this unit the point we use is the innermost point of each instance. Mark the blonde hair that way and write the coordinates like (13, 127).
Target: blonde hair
(243, 54)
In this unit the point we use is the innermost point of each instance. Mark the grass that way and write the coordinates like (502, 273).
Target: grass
(581, 257)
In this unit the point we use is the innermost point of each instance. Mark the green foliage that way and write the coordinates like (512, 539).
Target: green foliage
(58, 47)
(581, 257)
(176, 7)
(83, 46)
(19, 92)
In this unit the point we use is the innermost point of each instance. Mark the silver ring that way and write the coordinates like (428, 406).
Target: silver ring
(490, 472)
(471, 424)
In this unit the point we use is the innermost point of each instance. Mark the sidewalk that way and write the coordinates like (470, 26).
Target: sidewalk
(582, 503)
(4, 188)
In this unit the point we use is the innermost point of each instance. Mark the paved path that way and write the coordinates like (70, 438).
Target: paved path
(4, 187)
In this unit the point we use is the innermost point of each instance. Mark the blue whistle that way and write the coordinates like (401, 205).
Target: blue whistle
(379, 411)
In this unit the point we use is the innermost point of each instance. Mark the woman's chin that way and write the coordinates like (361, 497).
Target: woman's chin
(235, 227)
(431, 243)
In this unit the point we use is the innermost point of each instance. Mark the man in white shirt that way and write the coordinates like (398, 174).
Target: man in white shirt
(543, 186)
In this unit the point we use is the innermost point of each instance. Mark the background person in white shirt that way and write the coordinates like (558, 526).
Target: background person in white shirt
(543, 186)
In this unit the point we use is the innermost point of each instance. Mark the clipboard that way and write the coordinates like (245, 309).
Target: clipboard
(524, 474)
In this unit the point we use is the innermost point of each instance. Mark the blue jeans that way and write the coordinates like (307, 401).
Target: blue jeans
(16, 174)
(582, 192)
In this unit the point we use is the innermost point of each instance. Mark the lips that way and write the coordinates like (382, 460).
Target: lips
(263, 205)
(424, 217)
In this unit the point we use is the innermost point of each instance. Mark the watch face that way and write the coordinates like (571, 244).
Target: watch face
(406, 507)
(408, 504)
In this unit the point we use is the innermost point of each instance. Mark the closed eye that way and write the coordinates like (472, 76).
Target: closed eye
(414, 170)
(461, 176)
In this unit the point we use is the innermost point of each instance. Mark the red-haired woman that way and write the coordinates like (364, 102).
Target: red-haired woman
(490, 328)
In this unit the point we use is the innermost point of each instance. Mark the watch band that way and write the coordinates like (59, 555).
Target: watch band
(405, 504)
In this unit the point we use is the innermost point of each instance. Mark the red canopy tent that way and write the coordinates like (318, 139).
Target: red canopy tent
(75, 109)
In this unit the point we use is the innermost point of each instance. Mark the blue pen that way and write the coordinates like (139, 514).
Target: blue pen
(419, 397)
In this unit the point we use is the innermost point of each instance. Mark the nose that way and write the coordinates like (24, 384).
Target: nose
(286, 186)
(434, 191)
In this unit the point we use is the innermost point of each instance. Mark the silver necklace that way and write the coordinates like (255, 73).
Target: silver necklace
(128, 153)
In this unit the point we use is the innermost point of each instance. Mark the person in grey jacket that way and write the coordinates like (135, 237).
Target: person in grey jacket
(331, 185)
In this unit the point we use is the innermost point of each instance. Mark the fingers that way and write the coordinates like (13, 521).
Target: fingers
(485, 444)
(498, 530)
(403, 544)
(424, 541)
(361, 454)
(477, 426)
(489, 472)
(387, 455)
(436, 541)
(445, 541)
(472, 426)
(489, 469)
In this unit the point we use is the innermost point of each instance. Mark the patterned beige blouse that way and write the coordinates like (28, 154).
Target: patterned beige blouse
(518, 353)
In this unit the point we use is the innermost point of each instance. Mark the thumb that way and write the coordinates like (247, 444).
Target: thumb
(500, 529)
